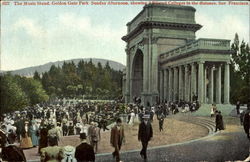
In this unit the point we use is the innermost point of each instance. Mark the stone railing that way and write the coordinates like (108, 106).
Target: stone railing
(202, 43)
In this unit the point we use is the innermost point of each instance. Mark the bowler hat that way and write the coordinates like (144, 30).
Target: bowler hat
(83, 135)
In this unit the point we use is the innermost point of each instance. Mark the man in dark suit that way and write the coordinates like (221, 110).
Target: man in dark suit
(84, 151)
(145, 134)
(246, 122)
(11, 152)
(238, 107)
(219, 121)
(19, 124)
(161, 121)
(117, 137)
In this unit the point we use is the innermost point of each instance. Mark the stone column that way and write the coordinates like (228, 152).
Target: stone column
(175, 91)
(193, 79)
(146, 71)
(218, 85)
(170, 85)
(149, 61)
(188, 85)
(166, 84)
(154, 69)
(180, 83)
(205, 85)
(211, 85)
(161, 90)
(186, 82)
(201, 82)
(227, 84)
(131, 88)
(127, 93)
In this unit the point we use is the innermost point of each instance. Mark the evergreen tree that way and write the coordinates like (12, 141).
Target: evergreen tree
(36, 76)
(83, 79)
(240, 71)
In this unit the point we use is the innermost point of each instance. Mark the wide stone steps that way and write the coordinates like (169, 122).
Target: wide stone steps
(205, 122)
(210, 125)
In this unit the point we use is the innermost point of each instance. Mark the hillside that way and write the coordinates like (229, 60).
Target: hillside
(29, 71)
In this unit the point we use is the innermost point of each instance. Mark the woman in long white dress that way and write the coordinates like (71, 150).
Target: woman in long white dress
(213, 109)
(132, 118)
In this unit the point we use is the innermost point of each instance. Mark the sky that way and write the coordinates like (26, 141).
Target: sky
(35, 35)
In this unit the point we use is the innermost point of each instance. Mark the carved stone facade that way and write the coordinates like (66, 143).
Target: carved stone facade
(166, 62)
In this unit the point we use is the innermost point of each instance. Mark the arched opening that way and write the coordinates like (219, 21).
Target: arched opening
(137, 74)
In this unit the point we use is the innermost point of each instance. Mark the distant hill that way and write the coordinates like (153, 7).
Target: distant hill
(29, 71)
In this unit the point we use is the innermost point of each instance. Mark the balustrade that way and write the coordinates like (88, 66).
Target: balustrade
(216, 44)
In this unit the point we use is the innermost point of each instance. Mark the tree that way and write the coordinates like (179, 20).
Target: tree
(72, 90)
(85, 78)
(11, 95)
(51, 90)
(33, 89)
(240, 71)
(99, 66)
(107, 67)
(36, 76)
(79, 89)
(70, 76)
(45, 81)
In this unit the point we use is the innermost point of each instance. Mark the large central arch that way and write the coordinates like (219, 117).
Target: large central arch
(137, 74)
(157, 29)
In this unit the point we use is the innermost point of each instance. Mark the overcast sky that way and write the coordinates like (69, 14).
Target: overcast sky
(35, 35)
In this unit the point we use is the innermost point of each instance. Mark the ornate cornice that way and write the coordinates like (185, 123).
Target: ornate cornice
(160, 25)
(197, 51)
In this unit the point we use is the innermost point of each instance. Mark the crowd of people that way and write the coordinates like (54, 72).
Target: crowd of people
(43, 125)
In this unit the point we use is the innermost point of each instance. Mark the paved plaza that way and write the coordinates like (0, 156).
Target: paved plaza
(221, 147)
(228, 145)
(194, 143)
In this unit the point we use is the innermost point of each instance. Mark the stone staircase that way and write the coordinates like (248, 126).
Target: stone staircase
(205, 122)
(202, 121)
